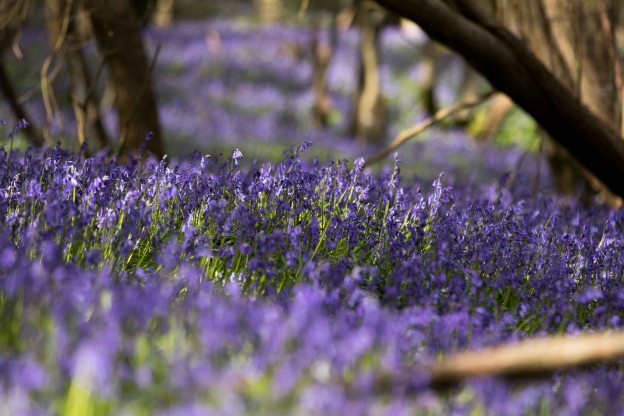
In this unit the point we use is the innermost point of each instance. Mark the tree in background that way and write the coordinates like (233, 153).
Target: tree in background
(369, 120)
(163, 12)
(67, 36)
(368, 117)
(322, 51)
(513, 68)
(116, 28)
(12, 17)
(269, 11)
(575, 40)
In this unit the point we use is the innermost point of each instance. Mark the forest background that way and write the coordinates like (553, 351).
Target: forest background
(340, 66)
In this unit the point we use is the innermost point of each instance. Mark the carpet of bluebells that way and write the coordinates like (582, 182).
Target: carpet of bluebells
(223, 285)
(198, 287)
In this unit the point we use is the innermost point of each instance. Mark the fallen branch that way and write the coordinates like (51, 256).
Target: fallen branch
(440, 115)
(525, 359)
(531, 357)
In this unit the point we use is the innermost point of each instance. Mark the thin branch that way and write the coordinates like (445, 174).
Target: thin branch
(49, 100)
(442, 114)
(81, 118)
(86, 109)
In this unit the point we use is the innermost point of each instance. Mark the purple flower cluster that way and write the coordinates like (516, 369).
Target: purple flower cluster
(196, 288)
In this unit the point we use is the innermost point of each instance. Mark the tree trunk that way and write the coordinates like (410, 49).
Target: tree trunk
(163, 12)
(570, 38)
(269, 11)
(430, 70)
(368, 123)
(499, 108)
(7, 89)
(12, 17)
(322, 52)
(68, 41)
(512, 68)
(116, 30)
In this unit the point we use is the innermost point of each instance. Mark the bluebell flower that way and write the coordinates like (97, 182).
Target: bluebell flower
(236, 156)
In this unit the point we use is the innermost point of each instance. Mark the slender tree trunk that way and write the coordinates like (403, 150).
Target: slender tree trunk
(498, 109)
(512, 68)
(430, 70)
(369, 117)
(269, 11)
(119, 39)
(68, 40)
(163, 12)
(322, 52)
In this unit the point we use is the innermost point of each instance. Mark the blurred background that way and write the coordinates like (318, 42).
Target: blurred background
(259, 75)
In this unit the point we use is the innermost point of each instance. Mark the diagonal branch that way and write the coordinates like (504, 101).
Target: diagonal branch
(512, 68)
(440, 115)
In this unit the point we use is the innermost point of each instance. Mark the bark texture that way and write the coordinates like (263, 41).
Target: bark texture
(116, 29)
(574, 40)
